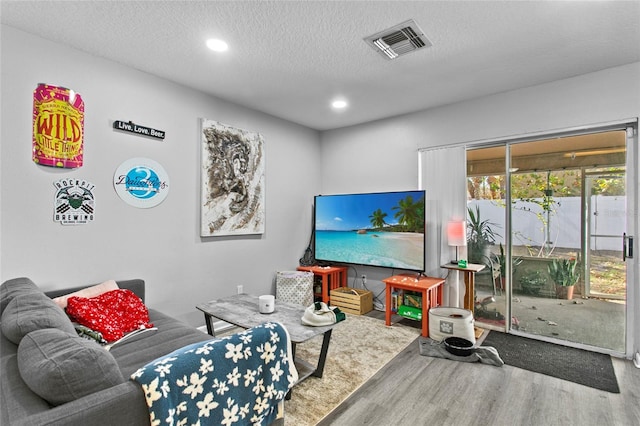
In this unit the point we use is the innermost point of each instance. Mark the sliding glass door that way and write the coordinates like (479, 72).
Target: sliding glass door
(557, 209)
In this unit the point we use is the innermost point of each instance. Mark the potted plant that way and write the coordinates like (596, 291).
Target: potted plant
(480, 236)
(502, 261)
(564, 273)
(532, 281)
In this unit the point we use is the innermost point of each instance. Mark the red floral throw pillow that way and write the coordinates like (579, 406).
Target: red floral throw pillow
(113, 313)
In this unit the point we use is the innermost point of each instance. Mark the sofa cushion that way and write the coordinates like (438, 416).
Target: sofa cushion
(32, 311)
(172, 334)
(11, 288)
(87, 292)
(61, 367)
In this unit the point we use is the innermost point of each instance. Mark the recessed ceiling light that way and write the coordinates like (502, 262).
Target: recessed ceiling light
(217, 45)
(339, 104)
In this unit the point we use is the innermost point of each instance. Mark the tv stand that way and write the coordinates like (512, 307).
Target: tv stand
(331, 278)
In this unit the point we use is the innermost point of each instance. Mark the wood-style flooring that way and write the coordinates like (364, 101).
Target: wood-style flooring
(419, 390)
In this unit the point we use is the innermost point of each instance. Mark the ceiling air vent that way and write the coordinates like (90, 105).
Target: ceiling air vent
(398, 40)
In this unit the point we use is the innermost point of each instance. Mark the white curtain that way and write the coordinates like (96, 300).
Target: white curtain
(443, 176)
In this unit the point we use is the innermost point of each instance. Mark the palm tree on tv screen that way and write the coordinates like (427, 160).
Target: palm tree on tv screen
(410, 214)
(377, 219)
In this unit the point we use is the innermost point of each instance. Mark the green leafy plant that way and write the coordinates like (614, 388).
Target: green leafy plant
(480, 235)
(532, 281)
(564, 272)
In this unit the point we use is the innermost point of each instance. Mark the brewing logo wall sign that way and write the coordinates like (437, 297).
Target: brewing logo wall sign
(141, 182)
(58, 127)
(74, 202)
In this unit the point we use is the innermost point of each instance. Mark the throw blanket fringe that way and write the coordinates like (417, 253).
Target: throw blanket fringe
(233, 380)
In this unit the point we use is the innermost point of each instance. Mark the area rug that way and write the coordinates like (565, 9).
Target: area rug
(575, 365)
(360, 346)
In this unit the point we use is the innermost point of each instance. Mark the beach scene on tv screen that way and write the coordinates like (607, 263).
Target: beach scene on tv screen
(380, 229)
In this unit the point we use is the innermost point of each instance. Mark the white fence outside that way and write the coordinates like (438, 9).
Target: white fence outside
(609, 218)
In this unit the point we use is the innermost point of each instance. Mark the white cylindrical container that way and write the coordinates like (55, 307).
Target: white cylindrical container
(266, 303)
(447, 322)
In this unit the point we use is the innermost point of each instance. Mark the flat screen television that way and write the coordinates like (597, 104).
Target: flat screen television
(384, 229)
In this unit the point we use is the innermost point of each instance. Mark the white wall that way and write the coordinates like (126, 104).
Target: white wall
(528, 230)
(383, 155)
(161, 244)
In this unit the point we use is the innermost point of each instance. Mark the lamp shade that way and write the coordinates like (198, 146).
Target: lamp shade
(457, 233)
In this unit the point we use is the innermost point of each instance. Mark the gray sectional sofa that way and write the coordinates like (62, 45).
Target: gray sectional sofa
(86, 387)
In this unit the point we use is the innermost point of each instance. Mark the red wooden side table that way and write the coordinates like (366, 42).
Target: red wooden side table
(430, 288)
(332, 278)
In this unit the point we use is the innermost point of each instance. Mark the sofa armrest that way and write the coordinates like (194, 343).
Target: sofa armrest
(120, 405)
(135, 285)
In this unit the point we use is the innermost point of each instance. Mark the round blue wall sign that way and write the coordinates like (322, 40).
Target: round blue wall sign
(141, 182)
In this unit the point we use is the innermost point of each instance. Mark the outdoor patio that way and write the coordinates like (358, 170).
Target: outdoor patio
(594, 322)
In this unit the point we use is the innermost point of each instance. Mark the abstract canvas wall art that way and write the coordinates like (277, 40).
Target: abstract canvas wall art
(232, 200)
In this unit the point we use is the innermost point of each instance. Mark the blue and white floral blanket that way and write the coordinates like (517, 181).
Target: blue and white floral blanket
(233, 380)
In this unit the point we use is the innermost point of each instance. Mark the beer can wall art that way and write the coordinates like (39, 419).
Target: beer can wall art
(58, 127)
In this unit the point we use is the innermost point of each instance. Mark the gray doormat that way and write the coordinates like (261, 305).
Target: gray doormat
(575, 365)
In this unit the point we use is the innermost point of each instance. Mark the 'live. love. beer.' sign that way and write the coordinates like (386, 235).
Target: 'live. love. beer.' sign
(128, 126)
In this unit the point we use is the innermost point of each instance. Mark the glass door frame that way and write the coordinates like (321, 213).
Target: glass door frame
(633, 223)
(587, 235)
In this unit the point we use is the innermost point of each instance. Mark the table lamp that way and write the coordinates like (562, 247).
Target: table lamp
(457, 235)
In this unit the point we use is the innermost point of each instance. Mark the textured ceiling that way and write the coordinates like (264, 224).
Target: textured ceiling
(290, 58)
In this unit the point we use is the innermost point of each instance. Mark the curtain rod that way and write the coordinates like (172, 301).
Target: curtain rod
(605, 126)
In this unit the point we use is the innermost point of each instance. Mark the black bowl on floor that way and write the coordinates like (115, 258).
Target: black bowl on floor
(458, 346)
